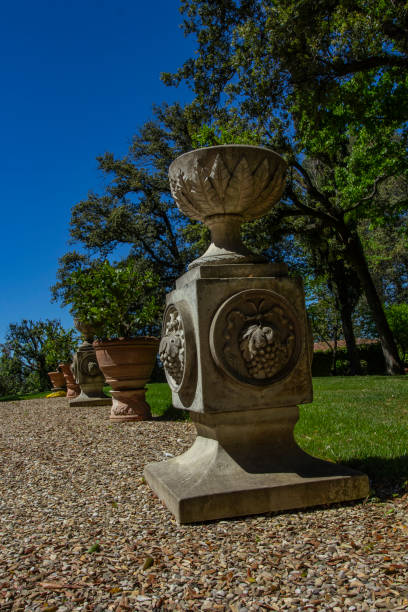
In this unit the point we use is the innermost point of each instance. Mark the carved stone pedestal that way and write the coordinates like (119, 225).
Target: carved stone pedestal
(247, 462)
(237, 352)
(89, 378)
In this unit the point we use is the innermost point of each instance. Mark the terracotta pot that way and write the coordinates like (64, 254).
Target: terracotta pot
(57, 380)
(73, 388)
(127, 366)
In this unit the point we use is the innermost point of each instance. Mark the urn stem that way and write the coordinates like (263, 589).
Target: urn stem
(226, 242)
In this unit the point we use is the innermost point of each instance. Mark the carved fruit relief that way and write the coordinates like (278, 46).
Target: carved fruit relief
(172, 347)
(85, 365)
(255, 337)
(263, 350)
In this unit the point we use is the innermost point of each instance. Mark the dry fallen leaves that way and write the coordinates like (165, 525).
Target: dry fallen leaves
(71, 482)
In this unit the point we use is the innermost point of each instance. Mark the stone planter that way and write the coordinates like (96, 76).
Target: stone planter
(57, 380)
(72, 387)
(87, 372)
(237, 354)
(127, 366)
(223, 187)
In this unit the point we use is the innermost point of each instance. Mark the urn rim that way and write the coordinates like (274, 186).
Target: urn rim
(230, 146)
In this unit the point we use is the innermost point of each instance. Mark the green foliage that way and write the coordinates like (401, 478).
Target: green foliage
(397, 315)
(369, 355)
(323, 83)
(321, 59)
(95, 548)
(135, 212)
(31, 350)
(324, 314)
(223, 134)
(116, 301)
(387, 254)
(11, 373)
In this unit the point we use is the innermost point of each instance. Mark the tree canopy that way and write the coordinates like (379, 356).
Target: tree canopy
(136, 210)
(32, 349)
(324, 84)
(321, 83)
(267, 54)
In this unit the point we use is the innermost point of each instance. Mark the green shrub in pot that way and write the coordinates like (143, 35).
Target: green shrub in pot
(119, 305)
(116, 301)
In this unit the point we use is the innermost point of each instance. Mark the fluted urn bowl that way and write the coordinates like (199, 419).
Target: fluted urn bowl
(224, 186)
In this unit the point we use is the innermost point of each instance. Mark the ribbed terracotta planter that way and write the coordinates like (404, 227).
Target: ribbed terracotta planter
(57, 380)
(127, 366)
(73, 388)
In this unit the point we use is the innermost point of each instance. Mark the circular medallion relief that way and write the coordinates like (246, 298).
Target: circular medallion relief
(88, 364)
(255, 337)
(177, 347)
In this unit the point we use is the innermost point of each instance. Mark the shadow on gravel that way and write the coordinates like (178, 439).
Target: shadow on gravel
(388, 477)
(173, 414)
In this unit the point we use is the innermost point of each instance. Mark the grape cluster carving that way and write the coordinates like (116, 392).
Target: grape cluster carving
(171, 349)
(256, 341)
(263, 351)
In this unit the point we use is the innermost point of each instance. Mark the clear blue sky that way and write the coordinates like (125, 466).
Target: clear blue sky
(78, 77)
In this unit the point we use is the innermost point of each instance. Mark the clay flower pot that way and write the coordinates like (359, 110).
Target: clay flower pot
(57, 380)
(127, 366)
(72, 388)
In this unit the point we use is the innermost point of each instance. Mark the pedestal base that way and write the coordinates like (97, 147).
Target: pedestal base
(83, 400)
(130, 405)
(248, 463)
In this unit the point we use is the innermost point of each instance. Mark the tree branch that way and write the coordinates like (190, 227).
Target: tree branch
(370, 196)
(315, 193)
(377, 61)
(308, 210)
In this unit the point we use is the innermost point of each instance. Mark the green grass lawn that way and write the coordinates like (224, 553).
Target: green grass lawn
(360, 421)
(24, 396)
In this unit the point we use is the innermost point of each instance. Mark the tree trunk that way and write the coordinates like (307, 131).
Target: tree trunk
(352, 353)
(357, 258)
(346, 306)
(334, 355)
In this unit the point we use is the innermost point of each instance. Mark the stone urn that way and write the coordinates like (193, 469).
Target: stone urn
(223, 187)
(57, 380)
(127, 365)
(87, 372)
(73, 388)
(236, 351)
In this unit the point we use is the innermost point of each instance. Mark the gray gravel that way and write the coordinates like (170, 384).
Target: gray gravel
(80, 530)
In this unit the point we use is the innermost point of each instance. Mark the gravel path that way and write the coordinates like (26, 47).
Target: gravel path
(79, 530)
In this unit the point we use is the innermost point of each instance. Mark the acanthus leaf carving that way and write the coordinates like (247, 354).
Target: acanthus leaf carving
(205, 196)
(261, 176)
(220, 177)
(240, 186)
(269, 194)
